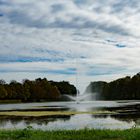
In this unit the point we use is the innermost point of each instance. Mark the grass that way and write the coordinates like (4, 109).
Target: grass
(50, 113)
(10, 101)
(85, 134)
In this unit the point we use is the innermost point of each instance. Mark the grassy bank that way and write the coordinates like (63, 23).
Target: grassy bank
(86, 134)
(50, 113)
(10, 101)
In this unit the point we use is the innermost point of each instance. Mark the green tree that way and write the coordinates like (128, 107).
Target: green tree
(3, 92)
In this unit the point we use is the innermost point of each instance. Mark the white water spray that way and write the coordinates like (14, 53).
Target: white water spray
(77, 91)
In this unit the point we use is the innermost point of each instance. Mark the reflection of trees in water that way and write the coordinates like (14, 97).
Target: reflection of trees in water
(12, 119)
(137, 121)
(46, 119)
(125, 113)
(28, 120)
(3, 122)
(128, 117)
(15, 120)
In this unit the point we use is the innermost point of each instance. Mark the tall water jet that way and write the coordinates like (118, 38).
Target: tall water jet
(79, 96)
(77, 91)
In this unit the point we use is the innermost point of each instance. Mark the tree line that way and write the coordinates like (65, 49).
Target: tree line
(35, 90)
(127, 88)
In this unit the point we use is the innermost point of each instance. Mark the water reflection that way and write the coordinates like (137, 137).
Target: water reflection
(75, 122)
(42, 119)
(127, 115)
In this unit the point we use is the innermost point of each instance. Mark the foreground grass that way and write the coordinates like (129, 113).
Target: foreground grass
(86, 134)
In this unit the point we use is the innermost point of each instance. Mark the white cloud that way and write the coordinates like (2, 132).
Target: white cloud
(38, 36)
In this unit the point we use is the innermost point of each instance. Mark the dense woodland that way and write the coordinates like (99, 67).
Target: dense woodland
(37, 90)
(127, 88)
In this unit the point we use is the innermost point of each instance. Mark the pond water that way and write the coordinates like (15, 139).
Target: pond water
(126, 114)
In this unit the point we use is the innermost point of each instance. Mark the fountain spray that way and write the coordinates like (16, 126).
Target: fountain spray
(77, 91)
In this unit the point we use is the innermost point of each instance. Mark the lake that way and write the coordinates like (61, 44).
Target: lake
(71, 115)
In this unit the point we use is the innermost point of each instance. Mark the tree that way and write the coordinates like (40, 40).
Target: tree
(3, 92)
(2, 82)
(126, 88)
(65, 87)
(39, 89)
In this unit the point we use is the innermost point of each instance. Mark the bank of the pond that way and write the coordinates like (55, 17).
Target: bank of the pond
(10, 101)
(50, 113)
(86, 134)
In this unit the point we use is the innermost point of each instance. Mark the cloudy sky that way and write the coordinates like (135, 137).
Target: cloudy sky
(98, 39)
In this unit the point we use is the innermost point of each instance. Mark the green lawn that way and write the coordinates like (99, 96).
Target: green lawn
(85, 134)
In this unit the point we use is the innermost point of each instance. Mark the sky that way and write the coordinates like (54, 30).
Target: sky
(72, 40)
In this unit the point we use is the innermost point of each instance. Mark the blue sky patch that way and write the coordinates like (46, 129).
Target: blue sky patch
(28, 59)
(120, 45)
